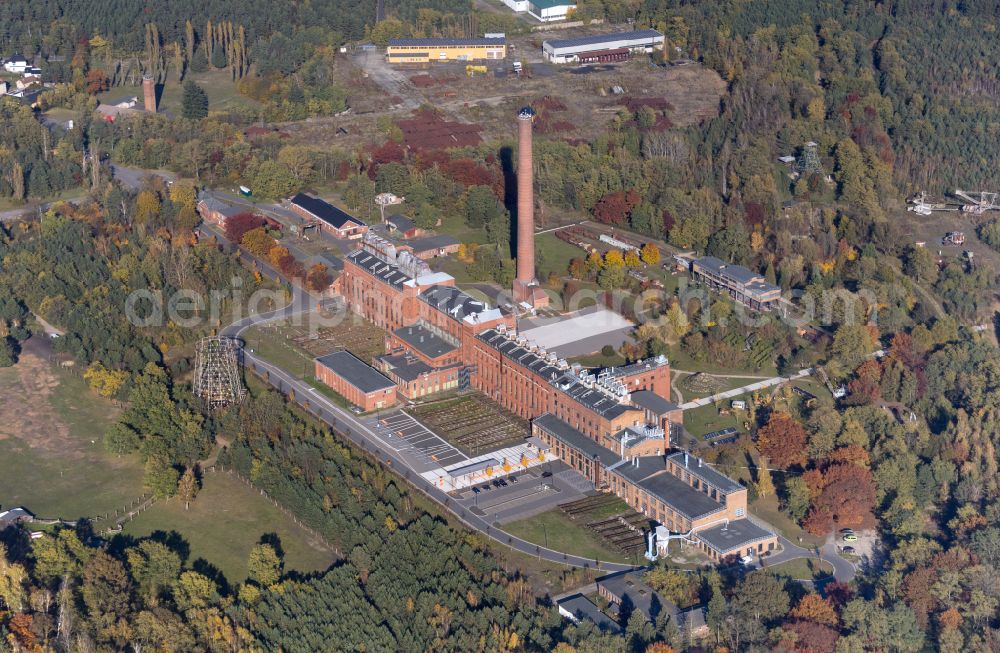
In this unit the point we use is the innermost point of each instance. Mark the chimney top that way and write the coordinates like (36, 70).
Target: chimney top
(526, 113)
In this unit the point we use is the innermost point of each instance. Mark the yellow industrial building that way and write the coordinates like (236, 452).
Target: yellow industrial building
(427, 50)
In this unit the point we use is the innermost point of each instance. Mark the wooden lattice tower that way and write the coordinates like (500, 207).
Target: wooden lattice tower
(217, 380)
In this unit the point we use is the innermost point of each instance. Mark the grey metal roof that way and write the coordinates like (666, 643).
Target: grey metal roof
(378, 268)
(432, 43)
(406, 367)
(650, 474)
(705, 472)
(431, 242)
(727, 538)
(737, 273)
(653, 402)
(401, 222)
(353, 370)
(581, 607)
(598, 39)
(573, 438)
(424, 340)
(454, 302)
(630, 584)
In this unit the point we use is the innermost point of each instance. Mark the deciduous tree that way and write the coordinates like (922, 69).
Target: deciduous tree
(783, 440)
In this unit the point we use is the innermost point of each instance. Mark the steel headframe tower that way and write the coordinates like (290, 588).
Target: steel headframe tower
(526, 287)
(217, 372)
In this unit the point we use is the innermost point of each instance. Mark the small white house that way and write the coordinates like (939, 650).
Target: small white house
(16, 64)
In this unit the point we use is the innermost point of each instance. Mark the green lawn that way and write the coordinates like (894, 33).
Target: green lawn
(803, 569)
(52, 456)
(681, 360)
(554, 255)
(224, 522)
(563, 534)
(218, 84)
(767, 509)
(706, 419)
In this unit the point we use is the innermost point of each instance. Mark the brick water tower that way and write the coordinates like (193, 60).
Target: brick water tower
(149, 93)
(526, 288)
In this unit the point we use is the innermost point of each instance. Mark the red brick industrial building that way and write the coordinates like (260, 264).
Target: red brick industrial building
(329, 218)
(356, 381)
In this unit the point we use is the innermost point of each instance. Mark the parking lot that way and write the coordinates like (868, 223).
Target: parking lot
(425, 443)
(533, 492)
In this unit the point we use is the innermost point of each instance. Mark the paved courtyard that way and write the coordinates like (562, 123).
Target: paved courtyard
(532, 494)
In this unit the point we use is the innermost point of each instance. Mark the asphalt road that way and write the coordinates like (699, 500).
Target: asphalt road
(843, 571)
(349, 426)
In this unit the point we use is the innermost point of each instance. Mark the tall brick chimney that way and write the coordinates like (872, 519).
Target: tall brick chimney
(526, 287)
(149, 93)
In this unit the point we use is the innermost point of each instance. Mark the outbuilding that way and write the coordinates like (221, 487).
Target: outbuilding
(615, 46)
(359, 383)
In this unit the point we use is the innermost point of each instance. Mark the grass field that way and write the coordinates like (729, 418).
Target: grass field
(224, 522)
(554, 255)
(563, 534)
(52, 457)
(218, 84)
(681, 360)
(803, 569)
(292, 348)
(706, 419)
(767, 509)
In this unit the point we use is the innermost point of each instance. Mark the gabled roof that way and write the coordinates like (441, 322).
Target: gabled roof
(325, 211)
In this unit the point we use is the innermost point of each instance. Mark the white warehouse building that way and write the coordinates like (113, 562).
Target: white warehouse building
(543, 10)
(616, 46)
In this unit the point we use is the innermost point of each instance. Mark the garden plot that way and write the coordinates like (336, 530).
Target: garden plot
(473, 423)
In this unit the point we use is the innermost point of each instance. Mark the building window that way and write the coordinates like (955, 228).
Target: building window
(739, 512)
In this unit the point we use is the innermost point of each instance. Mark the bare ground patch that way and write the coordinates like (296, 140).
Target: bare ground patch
(27, 414)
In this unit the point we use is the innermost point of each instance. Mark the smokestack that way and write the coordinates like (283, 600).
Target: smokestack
(149, 93)
(525, 202)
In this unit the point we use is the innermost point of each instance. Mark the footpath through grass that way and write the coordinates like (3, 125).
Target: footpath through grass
(225, 521)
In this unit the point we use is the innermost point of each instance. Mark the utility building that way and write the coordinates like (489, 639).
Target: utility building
(427, 50)
(616, 46)
(742, 284)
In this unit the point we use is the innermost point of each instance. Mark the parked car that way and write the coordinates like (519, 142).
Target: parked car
(502, 482)
(496, 483)
(845, 531)
(487, 487)
(546, 474)
(850, 537)
(475, 490)
(847, 549)
(513, 479)
(746, 561)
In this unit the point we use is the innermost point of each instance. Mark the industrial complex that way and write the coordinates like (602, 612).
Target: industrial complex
(612, 425)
